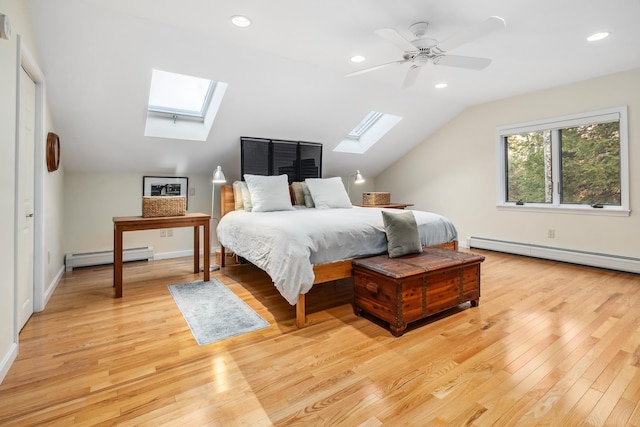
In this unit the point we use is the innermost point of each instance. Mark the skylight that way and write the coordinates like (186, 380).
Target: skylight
(364, 125)
(177, 94)
(182, 107)
(369, 131)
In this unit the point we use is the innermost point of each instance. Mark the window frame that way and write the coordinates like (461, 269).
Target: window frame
(367, 133)
(554, 125)
(173, 112)
(174, 123)
(366, 124)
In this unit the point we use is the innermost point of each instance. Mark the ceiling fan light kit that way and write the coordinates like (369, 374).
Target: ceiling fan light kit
(419, 29)
(423, 50)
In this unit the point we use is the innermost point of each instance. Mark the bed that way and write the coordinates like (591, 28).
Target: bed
(306, 246)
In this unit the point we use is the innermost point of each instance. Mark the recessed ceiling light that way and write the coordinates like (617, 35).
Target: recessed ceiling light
(598, 36)
(357, 58)
(441, 85)
(240, 21)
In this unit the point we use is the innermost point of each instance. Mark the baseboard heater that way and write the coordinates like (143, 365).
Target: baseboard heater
(90, 259)
(592, 259)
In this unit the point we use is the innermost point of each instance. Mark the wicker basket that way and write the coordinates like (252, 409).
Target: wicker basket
(163, 206)
(376, 198)
(229, 258)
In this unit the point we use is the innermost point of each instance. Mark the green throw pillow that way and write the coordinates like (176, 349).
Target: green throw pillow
(308, 200)
(402, 233)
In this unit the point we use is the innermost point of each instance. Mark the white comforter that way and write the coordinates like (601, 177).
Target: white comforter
(286, 244)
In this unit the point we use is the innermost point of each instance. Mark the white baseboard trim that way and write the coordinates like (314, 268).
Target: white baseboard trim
(90, 259)
(592, 259)
(168, 255)
(179, 254)
(48, 292)
(8, 360)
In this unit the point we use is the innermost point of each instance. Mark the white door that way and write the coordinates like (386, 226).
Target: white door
(25, 198)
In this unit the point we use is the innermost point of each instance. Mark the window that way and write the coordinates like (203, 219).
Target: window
(181, 106)
(179, 95)
(373, 127)
(576, 164)
(364, 125)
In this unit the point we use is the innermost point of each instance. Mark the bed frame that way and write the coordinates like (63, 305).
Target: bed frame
(323, 273)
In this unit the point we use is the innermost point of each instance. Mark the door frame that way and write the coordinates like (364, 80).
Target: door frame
(27, 61)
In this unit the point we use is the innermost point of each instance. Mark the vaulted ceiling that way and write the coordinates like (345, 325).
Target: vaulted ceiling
(286, 72)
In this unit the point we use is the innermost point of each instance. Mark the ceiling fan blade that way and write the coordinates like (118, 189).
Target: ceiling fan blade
(410, 78)
(477, 31)
(375, 67)
(394, 37)
(463, 62)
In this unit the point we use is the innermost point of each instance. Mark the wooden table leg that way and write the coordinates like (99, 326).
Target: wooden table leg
(117, 261)
(207, 252)
(301, 317)
(196, 249)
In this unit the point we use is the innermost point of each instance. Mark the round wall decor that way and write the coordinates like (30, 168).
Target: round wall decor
(53, 152)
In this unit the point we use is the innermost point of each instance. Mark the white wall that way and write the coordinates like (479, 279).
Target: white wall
(93, 199)
(453, 172)
(356, 190)
(53, 225)
(8, 52)
(52, 183)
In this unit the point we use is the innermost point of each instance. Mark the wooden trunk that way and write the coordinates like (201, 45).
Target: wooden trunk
(412, 287)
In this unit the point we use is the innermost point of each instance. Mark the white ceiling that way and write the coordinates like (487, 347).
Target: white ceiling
(286, 71)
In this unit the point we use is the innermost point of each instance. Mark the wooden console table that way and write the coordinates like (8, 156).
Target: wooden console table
(136, 223)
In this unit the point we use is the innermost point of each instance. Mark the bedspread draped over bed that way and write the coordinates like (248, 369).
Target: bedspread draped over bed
(286, 244)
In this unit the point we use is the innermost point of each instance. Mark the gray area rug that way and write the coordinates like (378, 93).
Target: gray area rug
(213, 312)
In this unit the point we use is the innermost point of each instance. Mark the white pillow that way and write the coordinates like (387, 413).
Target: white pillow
(241, 196)
(328, 193)
(238, 201)
(269, 193)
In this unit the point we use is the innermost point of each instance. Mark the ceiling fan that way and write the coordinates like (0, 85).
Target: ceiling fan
(423, 50)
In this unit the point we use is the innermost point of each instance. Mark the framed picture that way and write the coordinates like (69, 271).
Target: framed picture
(165, 186)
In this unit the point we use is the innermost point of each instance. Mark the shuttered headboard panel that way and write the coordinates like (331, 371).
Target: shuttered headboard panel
(298, 159)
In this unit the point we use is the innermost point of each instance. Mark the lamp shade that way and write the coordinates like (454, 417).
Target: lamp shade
(218, 176)
(358, 179)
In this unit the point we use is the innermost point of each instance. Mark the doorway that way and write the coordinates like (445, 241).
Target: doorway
(29, 174)
(25, 199)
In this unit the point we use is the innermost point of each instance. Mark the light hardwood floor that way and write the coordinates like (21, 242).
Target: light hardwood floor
(550, 344)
